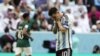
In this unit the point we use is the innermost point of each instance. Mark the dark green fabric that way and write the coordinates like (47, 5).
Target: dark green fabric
(25, 41)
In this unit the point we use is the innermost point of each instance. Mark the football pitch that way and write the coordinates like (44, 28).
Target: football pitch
(12, 54)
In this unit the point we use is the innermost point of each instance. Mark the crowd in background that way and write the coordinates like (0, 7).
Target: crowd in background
(84, 14)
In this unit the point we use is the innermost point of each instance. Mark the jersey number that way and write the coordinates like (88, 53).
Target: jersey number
(64, 53)
(20, 34)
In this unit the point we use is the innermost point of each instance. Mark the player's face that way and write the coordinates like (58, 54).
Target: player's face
(58, 15)
(93, 9)
(80, 2)
(98, 26)
(6, 1)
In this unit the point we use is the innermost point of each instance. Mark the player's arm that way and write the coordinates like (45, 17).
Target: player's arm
(26, 33)
(61, 27)
(16, 35)
(54, 28)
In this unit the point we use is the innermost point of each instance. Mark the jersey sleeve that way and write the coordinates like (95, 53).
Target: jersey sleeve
(54, 28)
(30, 26)
(65, 23)
(26, 26)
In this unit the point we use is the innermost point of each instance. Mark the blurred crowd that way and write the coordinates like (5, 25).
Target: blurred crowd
(83, 14)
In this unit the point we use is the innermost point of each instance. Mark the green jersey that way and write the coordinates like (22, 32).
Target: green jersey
(22, 40)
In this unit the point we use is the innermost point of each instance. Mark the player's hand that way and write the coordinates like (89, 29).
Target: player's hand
(31, 39)
(57, 19)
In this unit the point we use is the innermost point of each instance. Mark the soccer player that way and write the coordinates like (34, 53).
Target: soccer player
(23, 36)
(63, 31)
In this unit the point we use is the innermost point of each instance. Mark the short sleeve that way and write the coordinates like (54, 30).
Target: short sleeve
(65, 23)
(26, 26)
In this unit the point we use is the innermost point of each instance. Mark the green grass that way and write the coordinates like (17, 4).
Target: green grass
(12, 54)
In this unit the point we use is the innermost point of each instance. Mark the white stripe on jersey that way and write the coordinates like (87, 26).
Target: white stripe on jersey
(64, 38)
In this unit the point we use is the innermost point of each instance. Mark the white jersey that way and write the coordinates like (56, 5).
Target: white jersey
(64, 38)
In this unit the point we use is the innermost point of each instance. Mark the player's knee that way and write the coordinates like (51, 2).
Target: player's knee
(18, 55)
(28, 55)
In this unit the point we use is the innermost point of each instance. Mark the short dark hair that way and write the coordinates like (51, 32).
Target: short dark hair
(6, 29)
(35, 16)
(25, 15)
(52, 11)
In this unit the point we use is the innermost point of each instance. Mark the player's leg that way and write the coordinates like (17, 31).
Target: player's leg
(18, 55)
(18, 51)
(28, 51)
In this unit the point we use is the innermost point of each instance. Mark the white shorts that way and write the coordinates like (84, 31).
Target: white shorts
(19, 50)
(26, 50)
